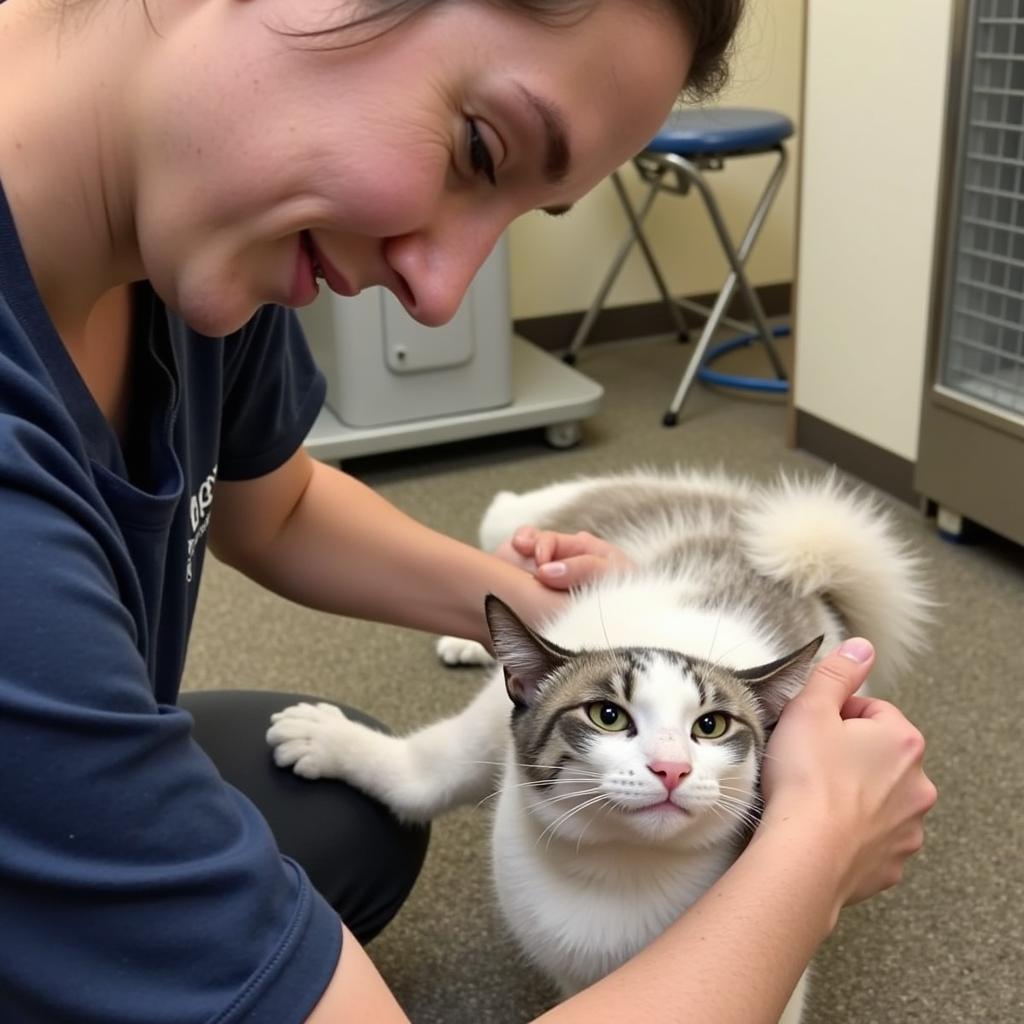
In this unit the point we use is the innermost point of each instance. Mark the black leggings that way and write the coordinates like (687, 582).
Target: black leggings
(355, 852)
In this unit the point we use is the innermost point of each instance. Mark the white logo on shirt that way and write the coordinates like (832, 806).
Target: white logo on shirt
(199, 506)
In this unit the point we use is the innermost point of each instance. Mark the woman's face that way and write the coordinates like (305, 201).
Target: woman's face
(261, 160)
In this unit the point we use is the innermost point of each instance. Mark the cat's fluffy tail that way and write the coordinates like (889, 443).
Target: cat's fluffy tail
(827, 539)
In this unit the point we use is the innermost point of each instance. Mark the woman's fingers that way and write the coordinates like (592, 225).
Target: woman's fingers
(571, 572)
(524, 540)
(869, 707)
(851, 769)
(837, 676)
(565, 560)
(507, 551)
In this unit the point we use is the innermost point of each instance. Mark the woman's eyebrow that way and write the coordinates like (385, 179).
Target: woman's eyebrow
(557, 152)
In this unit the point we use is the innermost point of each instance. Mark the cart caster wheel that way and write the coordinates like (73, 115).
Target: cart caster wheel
(670, 419)
(952, 526)
(569, 359)
(563, 435)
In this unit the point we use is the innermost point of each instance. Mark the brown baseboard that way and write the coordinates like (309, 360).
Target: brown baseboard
(874, 465)
(554, 333)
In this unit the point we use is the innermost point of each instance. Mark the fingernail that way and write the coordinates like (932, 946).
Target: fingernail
(525, 533)
(856, 649)
(555, 569)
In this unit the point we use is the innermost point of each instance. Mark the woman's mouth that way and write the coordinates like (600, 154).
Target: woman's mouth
(304, 287)
(318, 271)
(322, 269)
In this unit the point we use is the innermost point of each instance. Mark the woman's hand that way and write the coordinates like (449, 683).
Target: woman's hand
(850, 769)
(562, 560)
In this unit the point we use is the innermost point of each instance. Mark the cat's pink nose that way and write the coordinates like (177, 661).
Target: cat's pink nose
(670, 772)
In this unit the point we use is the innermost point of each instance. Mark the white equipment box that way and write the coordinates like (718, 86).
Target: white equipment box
(383, 367)
(394, 384)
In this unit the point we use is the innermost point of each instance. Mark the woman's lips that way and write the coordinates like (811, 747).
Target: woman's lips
(336, 281)
(304, 287)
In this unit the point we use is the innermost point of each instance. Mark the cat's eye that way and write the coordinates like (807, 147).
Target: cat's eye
(711, 726)
(608, 716)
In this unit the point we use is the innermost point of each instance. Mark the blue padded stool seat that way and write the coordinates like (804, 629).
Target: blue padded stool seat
(727, 131)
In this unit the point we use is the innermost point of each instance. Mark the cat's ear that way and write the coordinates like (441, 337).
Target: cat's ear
(780, 681)
(527, 658)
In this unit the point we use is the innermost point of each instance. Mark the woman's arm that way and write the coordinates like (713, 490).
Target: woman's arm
(733, 958)
(321, 538)
(846, 796)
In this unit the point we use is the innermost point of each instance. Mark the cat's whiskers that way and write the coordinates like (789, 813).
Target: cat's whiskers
(564, 796)
(751, 804)
(714, 636)
(739, 824)
(601, 810)
(551, 782)
(567, 815)
(714, 809)
(604, 630)
(540, 782)
(551, 767)
(725, 813)
(738, 810)
(725, 787)
(733, 801)
(717, 663)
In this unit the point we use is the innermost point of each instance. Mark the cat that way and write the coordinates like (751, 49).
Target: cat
(625, 736)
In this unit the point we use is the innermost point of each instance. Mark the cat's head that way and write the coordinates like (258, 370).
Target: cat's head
(636, 742)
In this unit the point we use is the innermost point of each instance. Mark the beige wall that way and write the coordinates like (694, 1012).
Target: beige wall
(556, 265)
(873, 128)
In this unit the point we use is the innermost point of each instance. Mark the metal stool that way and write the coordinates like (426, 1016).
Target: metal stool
(689, 143)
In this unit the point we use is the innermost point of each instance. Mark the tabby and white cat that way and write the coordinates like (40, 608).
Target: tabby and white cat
(626, 735)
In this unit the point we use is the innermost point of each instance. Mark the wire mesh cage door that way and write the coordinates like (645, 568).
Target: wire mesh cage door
(971, 453)
(983, 346)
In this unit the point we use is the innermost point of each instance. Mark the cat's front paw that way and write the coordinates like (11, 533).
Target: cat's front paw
(453, 650)
(308, 738)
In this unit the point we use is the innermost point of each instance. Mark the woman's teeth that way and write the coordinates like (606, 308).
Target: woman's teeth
(307, 241)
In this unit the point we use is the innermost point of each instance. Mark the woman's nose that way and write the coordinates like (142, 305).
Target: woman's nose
(437, 268)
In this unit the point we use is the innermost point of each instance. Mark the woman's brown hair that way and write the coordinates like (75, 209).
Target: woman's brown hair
(711, 23)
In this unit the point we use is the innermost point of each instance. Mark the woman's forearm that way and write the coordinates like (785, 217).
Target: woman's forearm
(345, 549)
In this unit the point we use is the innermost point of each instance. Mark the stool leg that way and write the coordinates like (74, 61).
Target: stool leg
(671, 417)
(736, 258)
(635, 221)
(678, 321)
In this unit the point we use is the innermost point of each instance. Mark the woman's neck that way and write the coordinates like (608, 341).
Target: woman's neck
(65, 157)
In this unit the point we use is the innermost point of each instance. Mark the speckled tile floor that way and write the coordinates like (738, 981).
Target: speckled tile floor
(943, 948)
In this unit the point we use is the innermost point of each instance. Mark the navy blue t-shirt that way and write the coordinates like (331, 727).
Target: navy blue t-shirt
(135, 885)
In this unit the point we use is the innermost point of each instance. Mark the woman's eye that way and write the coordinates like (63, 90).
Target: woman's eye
(608, 716)
(480, 158)
(711, 726)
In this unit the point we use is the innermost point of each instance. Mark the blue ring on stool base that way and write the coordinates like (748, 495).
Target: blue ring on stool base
(731, 380)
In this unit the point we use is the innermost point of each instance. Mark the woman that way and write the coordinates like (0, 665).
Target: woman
(175, 175)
